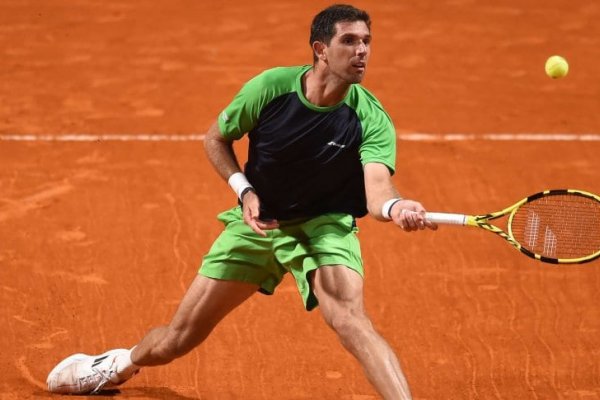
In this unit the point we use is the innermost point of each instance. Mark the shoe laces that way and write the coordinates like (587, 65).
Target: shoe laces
(99, 378)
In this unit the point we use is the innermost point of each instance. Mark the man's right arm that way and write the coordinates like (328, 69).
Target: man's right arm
(219, 151)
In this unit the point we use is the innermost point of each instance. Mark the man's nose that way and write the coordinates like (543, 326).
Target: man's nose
(362, 48)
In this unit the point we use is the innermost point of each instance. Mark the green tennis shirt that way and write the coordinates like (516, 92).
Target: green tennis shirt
(305, 160)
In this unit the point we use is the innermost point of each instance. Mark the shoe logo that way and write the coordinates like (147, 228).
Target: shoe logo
(341, 146)
(97, 361)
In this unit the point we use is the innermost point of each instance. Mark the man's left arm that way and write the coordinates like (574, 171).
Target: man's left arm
(385, 203)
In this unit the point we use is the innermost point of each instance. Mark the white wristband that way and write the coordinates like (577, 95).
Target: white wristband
(238, 183)
(387, 207)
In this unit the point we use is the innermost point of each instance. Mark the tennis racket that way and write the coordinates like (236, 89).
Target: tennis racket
(560, 226)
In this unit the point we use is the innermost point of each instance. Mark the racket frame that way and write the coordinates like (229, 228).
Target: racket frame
(483, 221)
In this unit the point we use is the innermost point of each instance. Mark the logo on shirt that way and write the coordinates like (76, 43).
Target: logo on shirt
(224, 116)
(341, 146)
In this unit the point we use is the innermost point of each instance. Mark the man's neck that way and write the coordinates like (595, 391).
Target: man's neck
(322, 88)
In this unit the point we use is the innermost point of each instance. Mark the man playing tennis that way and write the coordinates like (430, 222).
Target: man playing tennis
(321, 153)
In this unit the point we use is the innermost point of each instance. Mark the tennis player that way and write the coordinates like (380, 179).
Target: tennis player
(321, 154)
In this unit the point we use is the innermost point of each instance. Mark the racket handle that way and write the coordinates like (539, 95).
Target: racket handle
(446, 218)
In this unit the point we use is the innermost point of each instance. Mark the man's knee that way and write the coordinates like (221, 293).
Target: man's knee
(349, 322)
(340, 294)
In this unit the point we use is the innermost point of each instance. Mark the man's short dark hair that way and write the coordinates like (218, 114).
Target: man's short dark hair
(323, 25)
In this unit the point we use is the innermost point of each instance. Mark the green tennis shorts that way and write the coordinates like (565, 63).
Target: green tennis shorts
(298, 246)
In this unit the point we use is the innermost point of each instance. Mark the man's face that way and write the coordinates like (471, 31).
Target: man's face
(348, 52)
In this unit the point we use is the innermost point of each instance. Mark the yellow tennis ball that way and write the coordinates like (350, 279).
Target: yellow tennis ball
(557, 67)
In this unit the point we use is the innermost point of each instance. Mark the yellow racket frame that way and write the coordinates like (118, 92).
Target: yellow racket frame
(482, 221)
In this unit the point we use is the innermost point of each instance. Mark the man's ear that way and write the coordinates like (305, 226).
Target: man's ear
(319, 50)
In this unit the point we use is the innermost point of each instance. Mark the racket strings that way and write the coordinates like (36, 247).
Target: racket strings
(565, 226)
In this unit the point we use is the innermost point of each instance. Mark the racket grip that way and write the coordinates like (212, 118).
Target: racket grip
(446, 218)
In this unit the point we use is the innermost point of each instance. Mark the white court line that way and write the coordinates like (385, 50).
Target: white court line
(84, 137)
(409, 137)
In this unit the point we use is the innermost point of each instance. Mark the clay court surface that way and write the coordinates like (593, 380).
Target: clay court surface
(99, 238)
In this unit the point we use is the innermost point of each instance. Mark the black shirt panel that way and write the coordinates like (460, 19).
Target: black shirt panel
(304, 163)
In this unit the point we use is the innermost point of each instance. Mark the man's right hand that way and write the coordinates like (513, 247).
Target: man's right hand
(251, 212)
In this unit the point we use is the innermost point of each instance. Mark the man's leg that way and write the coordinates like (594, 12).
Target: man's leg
(206, 302)
(340, 294)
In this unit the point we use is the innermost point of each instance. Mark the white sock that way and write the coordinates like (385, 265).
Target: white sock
(124, 363)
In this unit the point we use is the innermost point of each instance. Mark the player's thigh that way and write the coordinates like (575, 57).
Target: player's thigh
(339, 290)
(207, 301)
(326, 240)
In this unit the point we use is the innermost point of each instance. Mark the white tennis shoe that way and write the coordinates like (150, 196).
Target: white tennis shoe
(85, 374)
